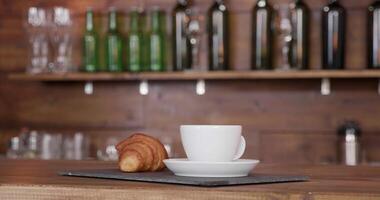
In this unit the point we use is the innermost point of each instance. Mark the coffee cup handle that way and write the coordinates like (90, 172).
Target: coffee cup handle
(241, 149)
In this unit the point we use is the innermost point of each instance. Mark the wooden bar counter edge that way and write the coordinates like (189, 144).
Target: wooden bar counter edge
(38, 180)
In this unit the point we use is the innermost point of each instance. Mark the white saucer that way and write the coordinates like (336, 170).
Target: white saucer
(237, 168)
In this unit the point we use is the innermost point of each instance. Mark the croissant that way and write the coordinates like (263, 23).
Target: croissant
(140, 153)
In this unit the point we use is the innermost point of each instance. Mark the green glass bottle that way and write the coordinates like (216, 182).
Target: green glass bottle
(156, 42)
(90, 45)
(114, 44)
(135, 43)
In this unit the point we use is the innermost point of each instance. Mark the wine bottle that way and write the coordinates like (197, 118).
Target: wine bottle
(333, 35)
(90, 44)
(114, 44)
(299, 50)
(156, 49)
(374, 35)
(218, 36)
(135, 43)
(262, 36)
(181, 44)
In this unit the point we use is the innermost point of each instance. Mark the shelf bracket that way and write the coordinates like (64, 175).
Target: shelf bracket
(89, 88)
(144, 88)
(200, 87)
(325, 87)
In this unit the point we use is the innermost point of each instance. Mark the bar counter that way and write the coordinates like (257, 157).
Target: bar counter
(38, 180)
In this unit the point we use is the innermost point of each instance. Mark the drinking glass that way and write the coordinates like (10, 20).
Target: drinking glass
(76, 147)
(36, 27)
(107, 151)
(60, 34)
(196, 33)
(284, 27)
(51, 146)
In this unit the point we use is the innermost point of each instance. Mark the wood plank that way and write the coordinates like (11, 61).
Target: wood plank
(228, 75)
(40, 181)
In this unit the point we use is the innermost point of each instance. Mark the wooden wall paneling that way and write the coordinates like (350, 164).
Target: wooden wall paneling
(66, 105)
(299, 148)
(291, 116)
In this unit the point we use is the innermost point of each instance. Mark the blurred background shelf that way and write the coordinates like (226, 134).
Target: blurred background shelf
(225, 75)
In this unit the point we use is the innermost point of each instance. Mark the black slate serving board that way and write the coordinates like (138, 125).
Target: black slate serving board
(169, 178)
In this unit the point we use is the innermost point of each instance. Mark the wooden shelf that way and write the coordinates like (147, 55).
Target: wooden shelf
(225, 75)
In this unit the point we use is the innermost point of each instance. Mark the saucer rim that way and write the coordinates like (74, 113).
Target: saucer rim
(234, 162)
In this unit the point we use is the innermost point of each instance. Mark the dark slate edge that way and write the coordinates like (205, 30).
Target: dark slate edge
(168, 178)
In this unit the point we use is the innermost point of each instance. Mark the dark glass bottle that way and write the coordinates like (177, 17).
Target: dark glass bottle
(114, 44)
(156, 43)
(299, 50)
(218, 36)
(90, 44)
(181, 44)
(135, 42)
(333, 35)
(374, 35)
(262, 36)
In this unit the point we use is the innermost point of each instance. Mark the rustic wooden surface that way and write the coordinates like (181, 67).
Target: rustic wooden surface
(38, 180)
(177, 76)
(290, 115)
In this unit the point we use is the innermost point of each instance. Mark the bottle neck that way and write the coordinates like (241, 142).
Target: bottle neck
(298, 1)
(112, 21)
(219, 1)
(134, 23)
(333, 1)
(89, 20)
(156, 21)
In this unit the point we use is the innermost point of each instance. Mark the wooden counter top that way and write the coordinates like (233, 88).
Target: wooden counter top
(37, 180)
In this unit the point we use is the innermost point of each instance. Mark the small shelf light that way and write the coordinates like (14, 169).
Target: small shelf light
(200, 87)
(325, 87)
(144, 87)
(89, 88)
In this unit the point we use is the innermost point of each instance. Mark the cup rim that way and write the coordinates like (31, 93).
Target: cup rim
(211, 126)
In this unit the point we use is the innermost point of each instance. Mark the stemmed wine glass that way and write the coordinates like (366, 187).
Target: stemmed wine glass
(60, 34)
(36, 27)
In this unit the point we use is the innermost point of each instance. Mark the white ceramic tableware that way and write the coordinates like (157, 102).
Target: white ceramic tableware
(237, 168)
(212, 143)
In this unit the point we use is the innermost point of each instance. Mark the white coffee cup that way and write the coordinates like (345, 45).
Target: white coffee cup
(213, 143)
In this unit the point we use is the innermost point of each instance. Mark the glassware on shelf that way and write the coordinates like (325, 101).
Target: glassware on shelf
(36, 27)
(32, 145)
(156, 41)
(50, 146)
(218, 36)
(76, 147)
(14, 150)
(262, 44)
(284, 28)
(333, 35)
(195, 31)
(60, 34)
(114, 44)
(90, 44)
(181, 43)
(135, 42)
(107, 151)
(374, 35)
(299, 51)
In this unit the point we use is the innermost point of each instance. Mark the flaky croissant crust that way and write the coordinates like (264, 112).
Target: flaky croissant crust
(140, 152)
